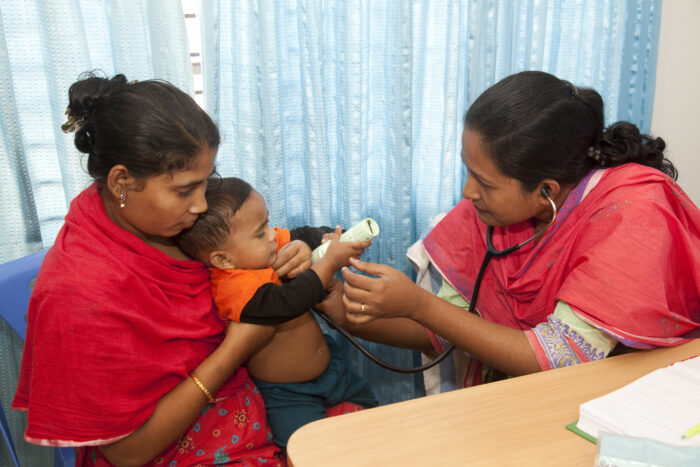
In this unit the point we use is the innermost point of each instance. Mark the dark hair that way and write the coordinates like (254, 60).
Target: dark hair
(151, 127)
(536, 126)
(225, 196)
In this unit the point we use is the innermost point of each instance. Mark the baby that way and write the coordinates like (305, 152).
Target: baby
(301, 372)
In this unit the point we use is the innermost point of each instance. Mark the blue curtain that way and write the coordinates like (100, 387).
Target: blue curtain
(335, 111)
(44, 46)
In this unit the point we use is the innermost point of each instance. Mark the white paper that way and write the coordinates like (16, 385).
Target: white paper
(661, 405)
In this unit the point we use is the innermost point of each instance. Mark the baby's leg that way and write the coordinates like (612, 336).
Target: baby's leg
(340, 383)
(289, 407)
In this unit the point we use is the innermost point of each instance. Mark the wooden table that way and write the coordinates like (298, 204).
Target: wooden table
(520, 421)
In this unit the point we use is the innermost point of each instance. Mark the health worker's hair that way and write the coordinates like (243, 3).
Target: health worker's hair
(537, 126)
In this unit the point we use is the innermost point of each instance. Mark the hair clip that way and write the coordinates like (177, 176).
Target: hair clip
(597, 155)
(74, 122)
(574, 91)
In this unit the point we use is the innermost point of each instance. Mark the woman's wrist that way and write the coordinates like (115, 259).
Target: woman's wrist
(419, 302)
(203, 388)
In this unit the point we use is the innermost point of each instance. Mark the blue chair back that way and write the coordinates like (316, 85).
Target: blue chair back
(16, 282)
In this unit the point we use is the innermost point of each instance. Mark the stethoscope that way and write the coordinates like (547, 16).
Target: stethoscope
(491, 252)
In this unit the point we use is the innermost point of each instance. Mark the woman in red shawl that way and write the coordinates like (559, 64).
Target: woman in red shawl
(124, 357)
(618, 268)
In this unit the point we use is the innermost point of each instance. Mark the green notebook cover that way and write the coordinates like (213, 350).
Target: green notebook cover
(572, 427)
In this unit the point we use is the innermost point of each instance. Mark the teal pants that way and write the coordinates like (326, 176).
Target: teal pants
(292, 405)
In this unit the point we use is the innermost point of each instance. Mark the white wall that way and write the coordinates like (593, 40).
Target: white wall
(676, 116)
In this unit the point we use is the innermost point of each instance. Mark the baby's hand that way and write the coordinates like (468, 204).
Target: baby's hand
(337, 256)
(339, 253)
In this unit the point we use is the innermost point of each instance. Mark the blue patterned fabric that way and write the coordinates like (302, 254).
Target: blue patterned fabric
(551, 335)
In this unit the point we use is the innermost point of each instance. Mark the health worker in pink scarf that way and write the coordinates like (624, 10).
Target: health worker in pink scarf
(614, 258)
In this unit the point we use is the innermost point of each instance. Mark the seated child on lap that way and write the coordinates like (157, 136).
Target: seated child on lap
(300, 372)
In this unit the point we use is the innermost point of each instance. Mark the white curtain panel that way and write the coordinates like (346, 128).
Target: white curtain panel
(44, 47)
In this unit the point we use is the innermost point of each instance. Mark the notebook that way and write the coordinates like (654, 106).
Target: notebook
(661, 405)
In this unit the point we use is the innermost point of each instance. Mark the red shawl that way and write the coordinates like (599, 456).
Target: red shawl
(113, 325)
(626, 257)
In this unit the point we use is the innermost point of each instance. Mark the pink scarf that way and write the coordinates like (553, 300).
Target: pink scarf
(626, 257)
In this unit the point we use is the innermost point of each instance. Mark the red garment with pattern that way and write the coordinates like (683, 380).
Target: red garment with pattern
(229, 431)
(187, 451)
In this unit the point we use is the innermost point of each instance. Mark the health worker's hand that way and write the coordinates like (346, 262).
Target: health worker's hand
(292, 259)
(391, 294)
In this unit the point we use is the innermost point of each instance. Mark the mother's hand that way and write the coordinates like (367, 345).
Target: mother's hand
(390, 294)
(292, 259)
(332, 306)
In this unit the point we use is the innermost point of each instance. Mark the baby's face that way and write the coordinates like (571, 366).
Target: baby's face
(251, 244)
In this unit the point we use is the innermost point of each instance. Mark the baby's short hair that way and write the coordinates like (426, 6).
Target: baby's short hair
(225, 196)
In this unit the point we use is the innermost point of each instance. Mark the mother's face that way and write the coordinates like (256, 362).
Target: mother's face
(498, 199)
(168, 203)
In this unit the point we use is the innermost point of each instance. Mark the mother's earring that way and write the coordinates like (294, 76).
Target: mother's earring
(122, 200)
